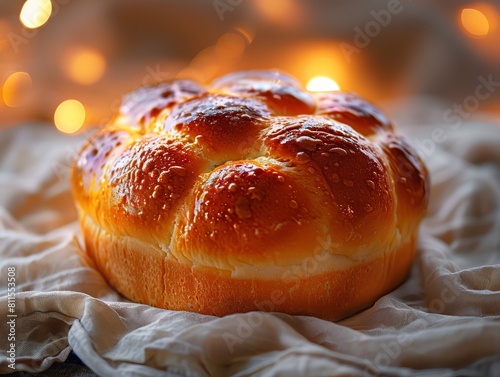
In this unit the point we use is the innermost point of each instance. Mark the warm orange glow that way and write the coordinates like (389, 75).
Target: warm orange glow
(285, 12)
(16, 88)
(84, 65)
(4, 30)
(230, 46)
(69, 116)
(247, 33)
(322, 58)
(322, 84)
(191, 73)
(35, 13)
(490, 35)
(204, 67)
(475, 22)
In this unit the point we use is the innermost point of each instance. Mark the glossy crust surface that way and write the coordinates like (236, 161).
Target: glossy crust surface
(251, 194)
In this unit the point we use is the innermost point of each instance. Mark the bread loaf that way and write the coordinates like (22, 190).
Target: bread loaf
(250, 194)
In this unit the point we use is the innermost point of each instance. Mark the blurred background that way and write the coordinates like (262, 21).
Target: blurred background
(68, 62)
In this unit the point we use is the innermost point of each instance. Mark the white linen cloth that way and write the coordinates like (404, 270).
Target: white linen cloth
(443, 321)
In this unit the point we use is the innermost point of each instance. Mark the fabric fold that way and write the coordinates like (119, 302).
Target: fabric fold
(443, 320)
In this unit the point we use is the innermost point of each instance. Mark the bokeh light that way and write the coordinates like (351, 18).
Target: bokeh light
(475, 22)
(16, 89)
(69, 116)
(35, 13)
(322, 84)
(230, 46)
(84, 65)
(307, 60)
(247, 33)
(203, 67)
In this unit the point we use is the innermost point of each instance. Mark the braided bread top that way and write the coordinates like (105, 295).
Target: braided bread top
(252, 171)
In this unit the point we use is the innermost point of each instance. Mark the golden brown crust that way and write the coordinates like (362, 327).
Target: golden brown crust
(148, 277)
(354, 111)
(281, 98)
(249, 213)
(358, 181)
(252, 191)
(225, 127)
(146, 103)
